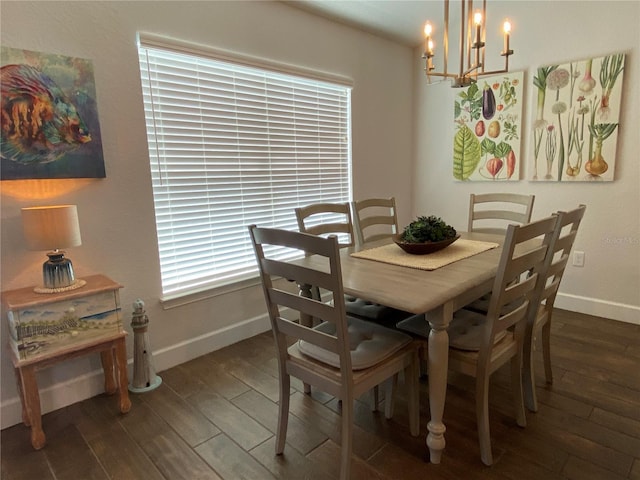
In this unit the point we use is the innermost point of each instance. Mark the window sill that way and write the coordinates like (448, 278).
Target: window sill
(180, 299)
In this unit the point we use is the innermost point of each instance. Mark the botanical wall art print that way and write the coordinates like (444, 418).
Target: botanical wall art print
(49, 122)
(488, 122)
(577, 118)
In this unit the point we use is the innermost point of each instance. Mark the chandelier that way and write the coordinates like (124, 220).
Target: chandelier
(472, 42)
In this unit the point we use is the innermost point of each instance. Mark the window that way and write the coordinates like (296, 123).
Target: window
(232, 145)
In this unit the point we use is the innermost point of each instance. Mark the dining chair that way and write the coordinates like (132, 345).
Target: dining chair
(481, 344)
(342, 356)
(492, 212)
(338, 221)
(564, 238)
(327, 219)
(374, 219)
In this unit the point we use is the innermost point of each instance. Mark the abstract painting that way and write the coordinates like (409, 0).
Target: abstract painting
(577, 118)
(49, 122)
(488, 122)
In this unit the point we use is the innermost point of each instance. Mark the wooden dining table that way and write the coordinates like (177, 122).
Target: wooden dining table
(437, 293)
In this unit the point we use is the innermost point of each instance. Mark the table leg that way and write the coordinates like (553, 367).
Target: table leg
(25, 414)
(123, 382)
(107, 365)
(307, 321)
(439, 320)
(31, 404)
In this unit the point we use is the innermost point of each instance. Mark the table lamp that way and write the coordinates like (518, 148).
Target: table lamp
(53, 228)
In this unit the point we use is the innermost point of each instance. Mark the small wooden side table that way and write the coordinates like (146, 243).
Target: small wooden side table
(47, 329)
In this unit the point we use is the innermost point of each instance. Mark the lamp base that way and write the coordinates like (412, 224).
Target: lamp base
(76, 284)
(57, 273)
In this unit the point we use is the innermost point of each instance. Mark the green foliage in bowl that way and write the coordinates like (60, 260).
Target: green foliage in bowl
(427, 229)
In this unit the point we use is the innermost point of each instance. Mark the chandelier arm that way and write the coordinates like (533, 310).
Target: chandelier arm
(446, 36)
(484, 31)
(477, 43)
(462, 38)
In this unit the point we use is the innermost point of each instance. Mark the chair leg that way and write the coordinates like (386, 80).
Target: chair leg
(516, 385)
(546, 350)
(482, 417)
(347, 435)
(283, 413)
(375, 393)
(411, 377)
(529, 375)
(389, 396)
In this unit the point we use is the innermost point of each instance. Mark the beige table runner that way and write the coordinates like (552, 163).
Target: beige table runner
(394, 255)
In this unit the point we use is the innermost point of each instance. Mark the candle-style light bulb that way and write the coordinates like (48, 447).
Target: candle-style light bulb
(507, 30)
(428, 44)
(477, 19)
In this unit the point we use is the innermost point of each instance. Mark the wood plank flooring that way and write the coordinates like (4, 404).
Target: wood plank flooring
(215, 417)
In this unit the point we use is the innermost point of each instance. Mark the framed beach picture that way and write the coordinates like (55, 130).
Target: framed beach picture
(577, 119)
(50, 126)
(488, 126)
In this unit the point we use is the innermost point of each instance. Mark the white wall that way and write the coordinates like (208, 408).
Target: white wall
(116, 213)
(552, 32)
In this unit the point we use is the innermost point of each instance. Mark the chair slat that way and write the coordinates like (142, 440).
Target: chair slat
(374, 219)
(306, 306)
(490, 212)
(295, 330)
(299, 273)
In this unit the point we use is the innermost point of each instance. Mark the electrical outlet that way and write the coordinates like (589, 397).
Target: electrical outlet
(578, 259)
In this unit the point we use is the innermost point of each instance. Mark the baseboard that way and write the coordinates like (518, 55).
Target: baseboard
(92, 383)
(598, 307)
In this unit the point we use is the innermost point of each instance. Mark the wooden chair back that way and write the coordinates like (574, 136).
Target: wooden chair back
(492, 212)
(565, 235)
(520, 298)
(327, 275)
(324, 219)
(374, 219)
(540, 322)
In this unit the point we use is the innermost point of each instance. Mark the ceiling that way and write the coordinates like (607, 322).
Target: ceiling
(398, 20)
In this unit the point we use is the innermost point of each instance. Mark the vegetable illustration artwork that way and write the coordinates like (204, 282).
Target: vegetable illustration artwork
(508, 95)
(575, 142)
(588, 83)
(511, 163)
(494, 166)
(596, 166)
(466, 153)
(540, 81)
(488, 129)
(556, 80)
(501, 153)
(39, 123)
(550, 150)
(488, 102)
(494, 129)
(582, 122)
(612, 66)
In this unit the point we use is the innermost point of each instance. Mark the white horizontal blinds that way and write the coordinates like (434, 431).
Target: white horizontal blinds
(230, 146)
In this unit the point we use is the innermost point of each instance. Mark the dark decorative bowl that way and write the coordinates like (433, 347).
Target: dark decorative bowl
(423, 248)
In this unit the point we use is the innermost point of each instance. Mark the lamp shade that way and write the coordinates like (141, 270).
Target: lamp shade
(51, 227)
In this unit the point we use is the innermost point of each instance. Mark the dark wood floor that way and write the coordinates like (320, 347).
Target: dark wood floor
(215, 417)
